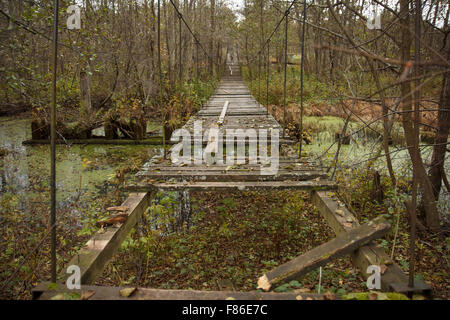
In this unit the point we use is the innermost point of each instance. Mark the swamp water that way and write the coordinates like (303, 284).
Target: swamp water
(87, 172)
(83, 172)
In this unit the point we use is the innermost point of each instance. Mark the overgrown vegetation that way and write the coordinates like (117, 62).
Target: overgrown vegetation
(94, 177)
(361, 88)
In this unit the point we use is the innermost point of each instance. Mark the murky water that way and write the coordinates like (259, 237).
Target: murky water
(86, 171)
(80, 169)
(364, 147)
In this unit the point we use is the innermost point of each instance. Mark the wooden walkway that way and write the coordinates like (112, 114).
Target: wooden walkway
(233, 107)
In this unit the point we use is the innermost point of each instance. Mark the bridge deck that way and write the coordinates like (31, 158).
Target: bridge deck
(239, 110)
(233, 107)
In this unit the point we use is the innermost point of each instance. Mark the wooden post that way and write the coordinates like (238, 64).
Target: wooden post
(85, 92)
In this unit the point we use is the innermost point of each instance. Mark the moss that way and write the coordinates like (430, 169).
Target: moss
(396, 296)
(380, 296)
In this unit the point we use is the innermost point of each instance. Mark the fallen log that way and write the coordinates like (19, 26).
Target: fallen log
(345, 243)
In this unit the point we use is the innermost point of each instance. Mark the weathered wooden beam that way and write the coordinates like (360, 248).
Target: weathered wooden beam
(233, 186)
(97, 252)
(233, 175)
(223, 168)
(341, 220)
(343, 244)
(42, 292)
(283, 161)
(149, 141)
(223, 113)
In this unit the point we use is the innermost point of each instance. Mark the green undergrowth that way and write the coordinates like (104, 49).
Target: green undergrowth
(89, 178)
(229, 242)
(432, 250)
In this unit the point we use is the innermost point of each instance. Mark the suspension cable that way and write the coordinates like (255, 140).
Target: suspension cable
(267, 78)
(163, 116)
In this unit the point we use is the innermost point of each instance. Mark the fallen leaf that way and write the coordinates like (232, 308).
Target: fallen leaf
(59, 296)
(299, 297)
(329, 296)
(127, 292)
(121, 208)
(383, 268)
(302, 290)
(339, 212)
(85, 295)
(121, 218)
(373, 296)
(347, 225)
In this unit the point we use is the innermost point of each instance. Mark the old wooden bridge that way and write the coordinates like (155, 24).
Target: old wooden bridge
(231, 107)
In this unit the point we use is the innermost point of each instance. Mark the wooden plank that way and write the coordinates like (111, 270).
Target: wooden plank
(246, 141)
(343, 244)
(42, 292)
(393, 278)
(223, 113)
(234, 113)
(222, 168)
(233, 186)
(283, 163)
(96, 253)
(151, 141)
(233, 175)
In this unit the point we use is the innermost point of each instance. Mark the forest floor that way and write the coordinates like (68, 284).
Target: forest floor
(237, 237)
(228, 241)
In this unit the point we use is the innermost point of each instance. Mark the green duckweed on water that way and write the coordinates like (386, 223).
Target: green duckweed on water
(86, 184)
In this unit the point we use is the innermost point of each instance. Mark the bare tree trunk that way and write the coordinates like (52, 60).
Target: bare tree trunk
(85, 92)
(429, 204)
(213, 31)
(437, 171)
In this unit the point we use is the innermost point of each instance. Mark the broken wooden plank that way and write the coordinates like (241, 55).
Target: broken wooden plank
(224, 112)
(96, 253)
(343, 244)
(393, 278)
(42, 292)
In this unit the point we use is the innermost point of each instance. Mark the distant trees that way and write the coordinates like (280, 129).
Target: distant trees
(116, 47)
(386, 67)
